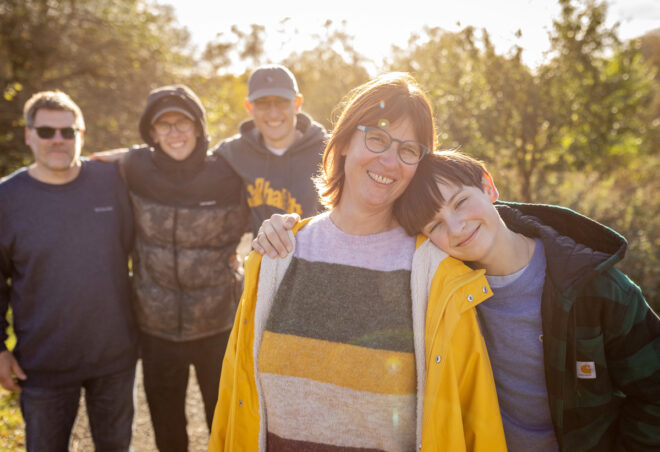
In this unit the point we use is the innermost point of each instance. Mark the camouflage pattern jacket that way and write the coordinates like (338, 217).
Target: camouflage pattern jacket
(184, 264)
(189, 217)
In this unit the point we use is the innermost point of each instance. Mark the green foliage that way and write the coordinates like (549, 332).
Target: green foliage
(627, 201)
(582, 110)
(106, 54)
(316, 71)
(223, 97)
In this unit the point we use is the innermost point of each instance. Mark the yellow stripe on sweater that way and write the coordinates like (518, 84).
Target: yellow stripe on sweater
(350, 366)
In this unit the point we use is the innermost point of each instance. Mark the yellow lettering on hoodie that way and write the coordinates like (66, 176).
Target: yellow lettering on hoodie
(256, 192)
(261, 193)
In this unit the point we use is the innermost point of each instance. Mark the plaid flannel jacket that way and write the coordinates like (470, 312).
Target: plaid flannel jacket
(601, 340)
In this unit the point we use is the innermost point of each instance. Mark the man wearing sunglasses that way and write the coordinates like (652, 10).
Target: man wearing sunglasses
(278, 151)
(65, 233)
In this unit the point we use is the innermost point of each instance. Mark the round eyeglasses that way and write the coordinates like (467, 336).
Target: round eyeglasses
(182, 126)
(378, 141)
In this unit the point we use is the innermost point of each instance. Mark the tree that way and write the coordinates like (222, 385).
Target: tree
(580, 111)
(327, 72)
(106, 54)
(315, 69)
(649, 45)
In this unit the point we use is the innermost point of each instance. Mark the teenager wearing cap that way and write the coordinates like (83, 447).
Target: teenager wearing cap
(190, 215)
(277, 151)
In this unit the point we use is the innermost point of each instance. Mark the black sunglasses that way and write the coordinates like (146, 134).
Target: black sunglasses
(68, 133)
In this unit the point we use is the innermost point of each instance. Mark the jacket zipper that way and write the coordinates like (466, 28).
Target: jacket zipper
(176, 272)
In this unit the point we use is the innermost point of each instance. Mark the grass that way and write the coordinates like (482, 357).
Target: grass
(12, 427)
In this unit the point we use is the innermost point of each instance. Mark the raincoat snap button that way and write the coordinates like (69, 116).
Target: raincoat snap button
(438, 359)
(540, 338)
(245, 322)
(470, 298)
(240, 403)
(485, 289)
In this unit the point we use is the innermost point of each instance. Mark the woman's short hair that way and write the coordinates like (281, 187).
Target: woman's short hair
(389, 97)
(423, 199)
(51, 100)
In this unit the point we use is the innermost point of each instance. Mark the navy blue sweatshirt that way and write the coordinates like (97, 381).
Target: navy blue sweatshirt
(64, 250)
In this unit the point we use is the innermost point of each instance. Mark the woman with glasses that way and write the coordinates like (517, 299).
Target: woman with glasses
(359, 340)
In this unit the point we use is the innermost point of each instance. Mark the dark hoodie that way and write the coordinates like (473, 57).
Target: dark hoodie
(190, 216)
(151, 173)
(277, 184)
(592, 313)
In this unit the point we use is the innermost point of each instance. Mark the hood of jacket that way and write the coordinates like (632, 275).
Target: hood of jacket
(577, 247)
(183, 97)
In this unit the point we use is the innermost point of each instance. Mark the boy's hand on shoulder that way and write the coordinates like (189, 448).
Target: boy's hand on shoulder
(273, 236)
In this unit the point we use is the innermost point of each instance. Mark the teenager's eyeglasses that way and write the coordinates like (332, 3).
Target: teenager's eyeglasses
(182, 125)
(378, 141)
(265, 103)
(45, 132)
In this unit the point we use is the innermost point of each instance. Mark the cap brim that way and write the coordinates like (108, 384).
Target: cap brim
(160, 113)
(279, 92)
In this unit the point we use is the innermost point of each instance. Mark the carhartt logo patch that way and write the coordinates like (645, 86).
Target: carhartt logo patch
(586, 369)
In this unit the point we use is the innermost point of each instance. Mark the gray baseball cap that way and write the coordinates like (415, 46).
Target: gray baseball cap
(272, 80)
(168, 104)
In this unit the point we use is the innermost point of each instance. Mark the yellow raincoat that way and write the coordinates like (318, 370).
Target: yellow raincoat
(457, 407)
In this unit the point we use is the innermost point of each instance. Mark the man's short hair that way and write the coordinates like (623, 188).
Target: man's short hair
(272, 80)
(422, 198)
(51, 100)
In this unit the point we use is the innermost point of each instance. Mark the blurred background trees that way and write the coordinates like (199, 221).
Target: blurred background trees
(581, 130)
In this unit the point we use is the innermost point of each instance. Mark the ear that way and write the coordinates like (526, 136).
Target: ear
(298, 102)
(249, 107)
(27, 136)
(489, 187)
(81, 134)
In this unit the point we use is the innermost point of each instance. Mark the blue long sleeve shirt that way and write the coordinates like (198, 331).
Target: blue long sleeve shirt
(63, 264)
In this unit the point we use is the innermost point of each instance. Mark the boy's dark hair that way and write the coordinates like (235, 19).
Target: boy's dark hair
(422, 199)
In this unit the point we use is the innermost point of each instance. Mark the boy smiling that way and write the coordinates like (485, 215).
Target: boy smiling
(574, 347)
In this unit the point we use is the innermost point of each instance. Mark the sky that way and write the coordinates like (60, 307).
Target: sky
(377, 25)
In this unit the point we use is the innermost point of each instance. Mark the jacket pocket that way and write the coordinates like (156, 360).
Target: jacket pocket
(594, 387)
